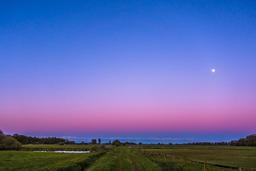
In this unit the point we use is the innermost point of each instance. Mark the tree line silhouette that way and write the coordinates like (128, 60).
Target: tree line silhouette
(44, 140)
(14, 142)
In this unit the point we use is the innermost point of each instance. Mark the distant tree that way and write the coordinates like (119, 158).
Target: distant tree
(61, 143)
(248, 141)
(116, 143)
(99, 141)
(1, 135)
(36, 140)
(8, 142)
(129, 143)
(251, 140)
(94, 141)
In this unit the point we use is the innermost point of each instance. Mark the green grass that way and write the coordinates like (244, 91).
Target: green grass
(124, 159)
(129, 158)
(175, 164)
(26, 160)
(52, 147)
(244, 157)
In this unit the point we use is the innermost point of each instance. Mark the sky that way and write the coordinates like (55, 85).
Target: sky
(128, 67)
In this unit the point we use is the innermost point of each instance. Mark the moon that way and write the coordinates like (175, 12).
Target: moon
(213, 70)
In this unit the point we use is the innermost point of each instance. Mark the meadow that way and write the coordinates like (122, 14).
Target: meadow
(131, 158)
(198, 157)
(28, 160)
(73, 147)
(124, 159)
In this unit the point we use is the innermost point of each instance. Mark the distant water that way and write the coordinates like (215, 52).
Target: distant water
(131, 139)
(156, 140)
(153, 138)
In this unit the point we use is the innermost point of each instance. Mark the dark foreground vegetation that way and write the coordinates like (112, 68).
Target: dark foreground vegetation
(36, 161)
(8, 142)
(130, 158)
(41, 155)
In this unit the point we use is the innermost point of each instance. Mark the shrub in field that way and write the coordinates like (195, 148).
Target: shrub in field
(8, 143)
(116, 143)
(98, 148)
(94, 141)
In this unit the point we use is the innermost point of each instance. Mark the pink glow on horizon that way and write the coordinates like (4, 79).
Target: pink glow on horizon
(136, 119)
(158, 111)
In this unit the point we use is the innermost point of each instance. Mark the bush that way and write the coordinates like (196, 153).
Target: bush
(116, 143)
(8, 143)
(1, 135)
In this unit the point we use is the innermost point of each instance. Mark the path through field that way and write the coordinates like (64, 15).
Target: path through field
(124, 159)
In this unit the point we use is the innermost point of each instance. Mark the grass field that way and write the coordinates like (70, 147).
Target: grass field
(75, 147)
(27, 160)
(124, 159)
(130, 158)
(243, 157)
